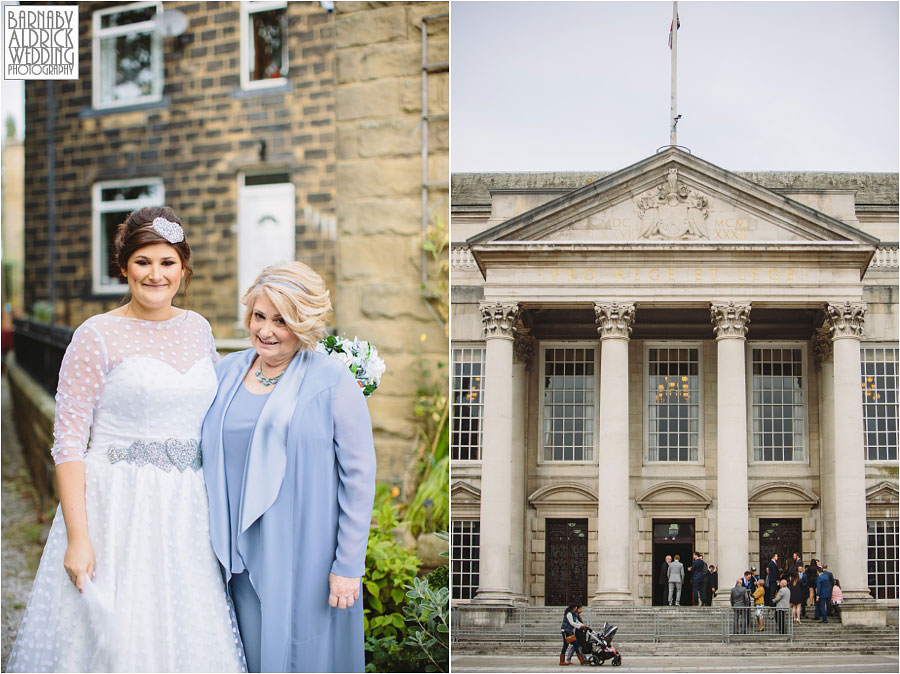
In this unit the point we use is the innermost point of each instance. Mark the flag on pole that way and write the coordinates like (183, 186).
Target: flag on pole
(677, 26)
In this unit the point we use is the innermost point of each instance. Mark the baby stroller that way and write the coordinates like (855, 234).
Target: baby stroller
(596, 645)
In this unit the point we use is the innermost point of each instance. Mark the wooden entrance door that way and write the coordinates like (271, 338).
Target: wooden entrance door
(566, 570)
(783, 536)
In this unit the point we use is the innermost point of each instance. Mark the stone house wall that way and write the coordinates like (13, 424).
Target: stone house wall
(204, 133)
(378, 109)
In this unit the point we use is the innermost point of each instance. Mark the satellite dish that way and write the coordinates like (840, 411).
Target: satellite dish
(171, 23)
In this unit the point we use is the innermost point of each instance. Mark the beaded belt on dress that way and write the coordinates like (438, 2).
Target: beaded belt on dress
(165, 455)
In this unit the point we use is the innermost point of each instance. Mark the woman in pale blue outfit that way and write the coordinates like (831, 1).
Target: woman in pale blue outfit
(290, 473)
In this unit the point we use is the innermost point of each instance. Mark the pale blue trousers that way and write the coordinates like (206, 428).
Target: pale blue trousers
(249, 617)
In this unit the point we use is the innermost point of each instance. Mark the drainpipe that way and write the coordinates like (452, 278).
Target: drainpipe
(51, 198)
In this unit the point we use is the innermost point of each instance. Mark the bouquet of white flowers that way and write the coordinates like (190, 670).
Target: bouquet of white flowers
(360, 356)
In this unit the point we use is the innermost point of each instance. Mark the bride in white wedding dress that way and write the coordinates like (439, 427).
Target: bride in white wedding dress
(133, 511)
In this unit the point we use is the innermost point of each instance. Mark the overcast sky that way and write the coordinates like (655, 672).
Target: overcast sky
(567, 86)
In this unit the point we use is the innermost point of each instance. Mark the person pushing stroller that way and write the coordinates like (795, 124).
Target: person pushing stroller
(570, 624)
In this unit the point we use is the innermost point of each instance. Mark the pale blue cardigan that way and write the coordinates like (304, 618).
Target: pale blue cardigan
(306, 506)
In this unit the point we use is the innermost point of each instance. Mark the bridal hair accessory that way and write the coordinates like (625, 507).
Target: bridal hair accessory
(282, 281)
(170, 231)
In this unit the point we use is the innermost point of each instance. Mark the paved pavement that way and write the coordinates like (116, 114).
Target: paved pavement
(23, 531)
(776, 661)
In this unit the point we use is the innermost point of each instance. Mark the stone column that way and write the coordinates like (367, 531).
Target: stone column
(845, 322)
(823, 355)
(523, 357)
(498, 320)
(733, 547)
(613, 555)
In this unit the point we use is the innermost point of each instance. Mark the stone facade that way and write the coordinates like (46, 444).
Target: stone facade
(13, 224)
(673, 253)
(379, 111)
(204, 133)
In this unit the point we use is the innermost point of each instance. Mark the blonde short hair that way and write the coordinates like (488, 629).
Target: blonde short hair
(300, 296)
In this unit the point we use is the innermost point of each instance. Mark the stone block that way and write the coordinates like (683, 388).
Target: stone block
(537, 545)
(436, 27)
(348, 65)
(380, 257)
(397, 216)
(396, 59)
(429, 548)
(347, 141)
(367, 100)
(645, 546)
(394, 302)
(438, 93)
(382, 178)
(393, 137)
(370, 27)
(645, 524)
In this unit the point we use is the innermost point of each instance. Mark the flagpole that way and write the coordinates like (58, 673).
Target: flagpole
(673, 123)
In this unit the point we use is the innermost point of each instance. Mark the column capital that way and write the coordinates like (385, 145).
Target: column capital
(615, 319)
(845, 320)
(823, 349)
(498, 319)
(729, 320)
(524, 346)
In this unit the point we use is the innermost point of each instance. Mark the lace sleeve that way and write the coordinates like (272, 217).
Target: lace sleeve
(213, 354)
(81, 377)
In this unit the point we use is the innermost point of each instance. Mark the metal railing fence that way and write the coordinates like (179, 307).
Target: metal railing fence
(657, 624)
(40, 349)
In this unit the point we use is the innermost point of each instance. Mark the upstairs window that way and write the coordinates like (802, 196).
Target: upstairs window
(778, 405)
(568, 407)
(673, 403)
(127, 55)
(113, 201)
(880, 409)
(468, 403)
(264, 50)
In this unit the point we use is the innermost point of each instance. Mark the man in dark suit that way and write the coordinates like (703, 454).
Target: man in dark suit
(698, 579)
(713, 584)
(771, 579)
(830, 576)
(664, 576)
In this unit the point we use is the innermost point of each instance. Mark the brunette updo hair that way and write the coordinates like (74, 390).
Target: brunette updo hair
(136, 233)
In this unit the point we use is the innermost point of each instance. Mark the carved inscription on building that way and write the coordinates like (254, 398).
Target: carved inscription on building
(681, 275)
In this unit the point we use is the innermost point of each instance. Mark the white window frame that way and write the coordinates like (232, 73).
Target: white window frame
(804, 359)
(895, 532)
(645, 402)
(862, 348)
(454, 347)
(99, 34)
(98, 207)
(595, 345)
(454, 560)
(248, 8)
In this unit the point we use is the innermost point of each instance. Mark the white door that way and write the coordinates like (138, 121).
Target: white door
(266, 228)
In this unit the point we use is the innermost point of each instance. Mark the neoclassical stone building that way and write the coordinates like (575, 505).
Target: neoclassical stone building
(668, 358)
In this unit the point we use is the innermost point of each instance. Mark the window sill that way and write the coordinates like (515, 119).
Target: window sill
(88, 113)
(253, 92)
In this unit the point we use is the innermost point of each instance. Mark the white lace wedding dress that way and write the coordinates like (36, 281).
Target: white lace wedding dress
(140, 390)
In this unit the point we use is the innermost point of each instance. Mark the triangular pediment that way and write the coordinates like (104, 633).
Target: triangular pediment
(463, 493)
(672, 197)
(883, 492)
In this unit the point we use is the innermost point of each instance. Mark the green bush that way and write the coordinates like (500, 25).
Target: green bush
(428, 612)
(389, 569)
(439, 578)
